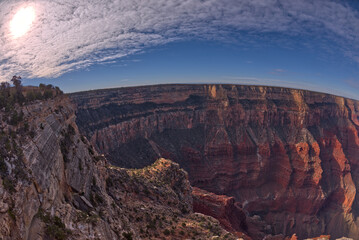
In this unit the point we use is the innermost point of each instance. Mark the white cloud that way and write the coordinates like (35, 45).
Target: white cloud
(277, 71)
(69, 35)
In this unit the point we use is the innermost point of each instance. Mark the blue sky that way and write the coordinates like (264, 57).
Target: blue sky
(103, 43)
(218, 62)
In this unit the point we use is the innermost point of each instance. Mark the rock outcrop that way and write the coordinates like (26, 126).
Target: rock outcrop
(224, 208)
(291, 157)
(54, 185)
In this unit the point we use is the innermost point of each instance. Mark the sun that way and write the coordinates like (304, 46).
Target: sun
(22, 21)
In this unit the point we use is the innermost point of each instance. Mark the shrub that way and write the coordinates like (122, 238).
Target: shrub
(47, 94)
(32, 133)
(3, 167)
(54, 228)
(109, 182)
(8, 185)
(11, 214)
(98, 198)
(16, 118)
(166, 232)
(90, 150)
(127, 235)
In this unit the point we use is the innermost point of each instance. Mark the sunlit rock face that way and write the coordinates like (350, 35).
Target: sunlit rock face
(289, 156)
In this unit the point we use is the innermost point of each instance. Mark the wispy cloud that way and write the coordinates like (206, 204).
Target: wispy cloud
(69, 35)
(277, 71)
(352, 83)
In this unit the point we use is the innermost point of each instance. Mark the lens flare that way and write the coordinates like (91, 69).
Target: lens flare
(22, 21)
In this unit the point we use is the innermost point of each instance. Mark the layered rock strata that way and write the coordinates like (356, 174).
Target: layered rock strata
(291, 157)
(54, 185)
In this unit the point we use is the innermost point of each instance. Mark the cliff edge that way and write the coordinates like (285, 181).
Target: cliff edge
(54, 185)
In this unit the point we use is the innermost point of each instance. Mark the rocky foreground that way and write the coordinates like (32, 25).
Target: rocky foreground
(286, 159)
(54, 185)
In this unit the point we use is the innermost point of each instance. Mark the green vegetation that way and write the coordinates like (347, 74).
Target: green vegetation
(8, 185)
(11, 154)
(87, 217)
(11, 213)
(16, 118)
(11, 100)
(3, 167)
(9, 96)
(166, 232)
(96, 199)
(54, 228)
(127, 235)
(90, 150)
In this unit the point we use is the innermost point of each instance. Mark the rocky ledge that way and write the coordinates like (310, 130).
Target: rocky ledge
(54, 185)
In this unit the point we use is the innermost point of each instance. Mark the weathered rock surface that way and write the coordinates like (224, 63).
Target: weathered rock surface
(54, 185)
(291, 157)
(224, 208)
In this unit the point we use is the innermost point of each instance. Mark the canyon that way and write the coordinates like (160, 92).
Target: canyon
(54, 185)
(285, 160)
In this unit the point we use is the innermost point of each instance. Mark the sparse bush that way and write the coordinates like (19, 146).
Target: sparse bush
(54, 228)
(16, 118)
(127, 235)
(47, 94)
(11, 214)
(91, 150)
(98, 198)
(166, 232)
(32, 133)
(80, 165)
(42, 86)
(151, 225)
(109, 182)
(3, 167)
(184, 210)
(8, 185)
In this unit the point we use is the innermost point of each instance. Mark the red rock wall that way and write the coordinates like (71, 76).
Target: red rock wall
(224, 208)
(290, 156)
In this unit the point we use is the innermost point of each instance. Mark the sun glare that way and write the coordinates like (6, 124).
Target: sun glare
(22, 21)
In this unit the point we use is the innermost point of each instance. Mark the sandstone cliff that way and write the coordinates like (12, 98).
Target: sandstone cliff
(291, 157)
(54, 185)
